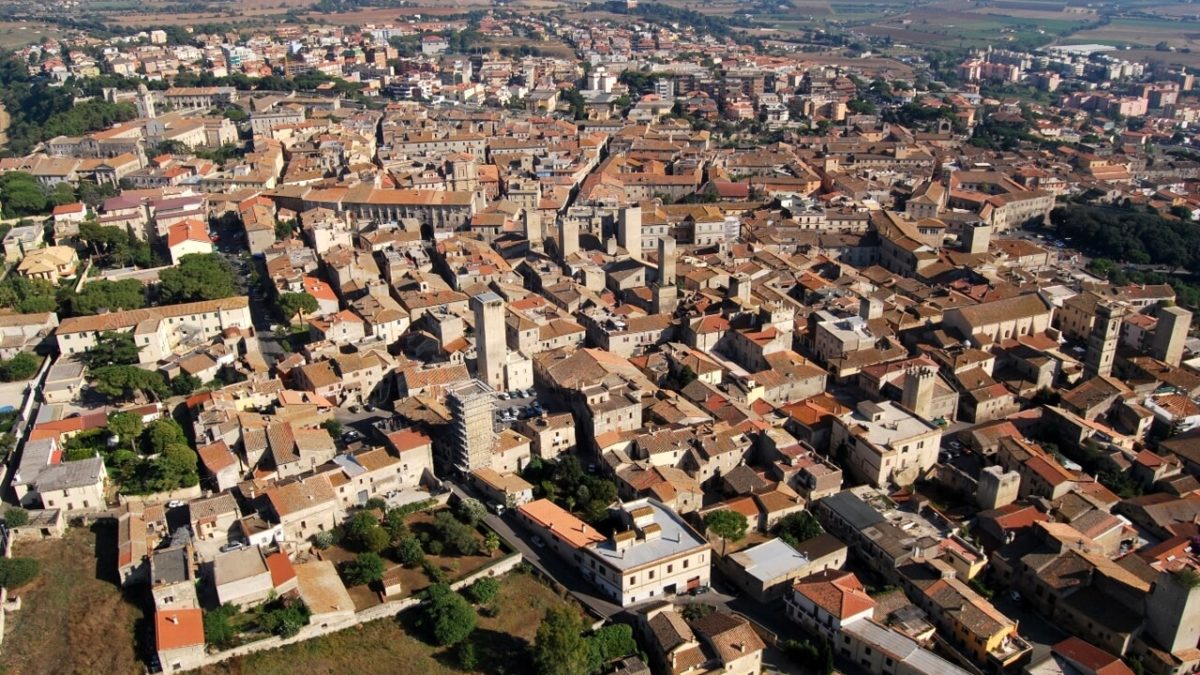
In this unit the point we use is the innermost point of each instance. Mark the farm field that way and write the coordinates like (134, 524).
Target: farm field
(1147, 32)
(14, 35)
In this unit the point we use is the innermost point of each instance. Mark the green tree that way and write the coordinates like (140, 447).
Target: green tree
(364, 531)
(27, 296)
(465, 653)
(111, 349)
(448, 615)
(218, 626)
(286, 619)
(16, 572)
(726, 524)
(15, 516)
(332, 426)
(483, 590)
(471, 511)
(293, 304)
(409, 552)
(185, 383)
(20, 367)
(179, 466)
(160, 434)
(21, 195)
(560, 648)
(198, 276)
(102, 296)
(123, 382)
(609, 644)
(127, 426)
(367, 568)
(797, 527)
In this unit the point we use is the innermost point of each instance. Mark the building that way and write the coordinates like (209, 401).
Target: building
(653, 554)
(1170, 334)
(885, 444)
(179, 638)
(1001, 319)
(767, 571)
(827, 601)
(157, 331)
(74, 487)
(472, 408)
(248, 577)
(491, 346)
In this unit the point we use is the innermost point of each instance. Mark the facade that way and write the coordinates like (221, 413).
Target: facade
(885, 444)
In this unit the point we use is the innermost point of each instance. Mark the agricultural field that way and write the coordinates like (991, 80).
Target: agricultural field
(1146, 32)
(958, 29)
(14, 35)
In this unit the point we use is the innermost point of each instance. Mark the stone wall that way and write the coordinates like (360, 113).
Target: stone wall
(383, 611)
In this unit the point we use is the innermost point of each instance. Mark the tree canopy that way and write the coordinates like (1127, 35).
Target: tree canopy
(560, 648)
(102, 295)
(111, 348)
(797, 527)
(726, 524)
(20, 367)
(198, 276)
(450, 618)
(1131, 235)
(291, 304)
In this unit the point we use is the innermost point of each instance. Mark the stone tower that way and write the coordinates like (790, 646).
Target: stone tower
(1102, 341)
(997, 487)
(145, 103)
(629, 230)
(976, 237)
(472, 406)
(491, 348)
(568, 238)
(1173, 611)
(1170, 334)
(917, 395)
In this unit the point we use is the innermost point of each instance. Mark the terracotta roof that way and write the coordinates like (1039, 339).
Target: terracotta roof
(561, 522)
(178, 628)
(838, 592)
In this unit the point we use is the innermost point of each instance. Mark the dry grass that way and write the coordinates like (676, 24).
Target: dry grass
(391, 646)
(74, 618)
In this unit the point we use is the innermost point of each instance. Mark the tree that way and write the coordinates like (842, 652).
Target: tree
(726, 524)
(122, 382)
(198, 276)
(185, 383)
(15, 516)
(21, 195)
(483, 590)
(160, 434)
(609, 644)
(218, 625)
(16, 572)
(179, 466)
(111, 349)
(101, 296)
(471, 511)
(286, 619)
(448, 615)
(797, 527)
(559, 648)
(27, 296)
(409, 552)
(293, 304)
(491, 543)
(367, 568)
(20, 367)
(332, 426)
(363, 531)
(465, 653)
(127, 426)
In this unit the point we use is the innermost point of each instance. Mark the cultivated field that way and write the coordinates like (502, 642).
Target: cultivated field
(14, 35)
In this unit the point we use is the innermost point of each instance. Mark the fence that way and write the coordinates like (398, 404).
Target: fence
(182, 494)
(383, 611)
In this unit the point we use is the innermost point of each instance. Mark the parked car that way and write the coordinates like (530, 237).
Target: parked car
(368, 407)
(233, 546)
(497, 509)
(175, 503)
(537, 541)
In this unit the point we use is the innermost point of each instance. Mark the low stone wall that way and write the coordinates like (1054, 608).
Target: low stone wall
(383, 611)
(183, 494)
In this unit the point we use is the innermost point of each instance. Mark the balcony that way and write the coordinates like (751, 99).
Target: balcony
(1011, 650)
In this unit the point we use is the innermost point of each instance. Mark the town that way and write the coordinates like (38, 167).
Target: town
(627, 338)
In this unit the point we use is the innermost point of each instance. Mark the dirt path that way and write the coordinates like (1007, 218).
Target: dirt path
(3, 126)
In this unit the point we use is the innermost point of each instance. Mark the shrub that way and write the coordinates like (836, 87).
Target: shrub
(367, 568)
(435, 547)
(286, 619)
(16, 572)
(323, 540)
(218, 626)
(409, 552)
(465, 653)
(16, 517)
(483, 591)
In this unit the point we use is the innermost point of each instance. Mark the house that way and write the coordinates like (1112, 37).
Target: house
(508, 490)
(828, 601)
(248, 576)
(718, 642)
(51, 263)
(886, 444)
(179, 638)
(75, 487)
(304, 508)
(188, 237)
(767, 571)
(213, 517)
(323, 593)
(220, 465)
(415, 450)
(652, 554)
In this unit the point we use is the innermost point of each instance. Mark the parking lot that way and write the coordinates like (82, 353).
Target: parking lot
(517, 405)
